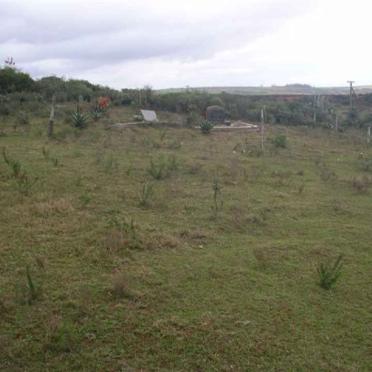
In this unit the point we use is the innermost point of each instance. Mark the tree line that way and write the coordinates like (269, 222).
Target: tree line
(291, 109)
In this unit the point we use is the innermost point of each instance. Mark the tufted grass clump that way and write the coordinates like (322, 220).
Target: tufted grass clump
(329, 274)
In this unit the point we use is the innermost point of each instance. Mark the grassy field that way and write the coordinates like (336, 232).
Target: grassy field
(165, 249)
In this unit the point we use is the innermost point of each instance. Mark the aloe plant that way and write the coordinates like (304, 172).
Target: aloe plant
(79, 119)
(206, 127)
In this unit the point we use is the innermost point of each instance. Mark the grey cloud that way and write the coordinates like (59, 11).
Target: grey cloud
(78, 35)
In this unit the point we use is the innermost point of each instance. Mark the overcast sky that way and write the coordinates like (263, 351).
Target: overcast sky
(172, 43)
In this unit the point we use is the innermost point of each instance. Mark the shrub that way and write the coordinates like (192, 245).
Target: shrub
(280, 141)
(329, 274)
(206, 126)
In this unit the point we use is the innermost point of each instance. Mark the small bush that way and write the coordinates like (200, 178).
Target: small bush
(280, 141)
(206, 127)
(329, 274)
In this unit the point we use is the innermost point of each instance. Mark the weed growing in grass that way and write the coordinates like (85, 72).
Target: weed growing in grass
(24, 182)
(217, 197)
(85, 199)
(110, 164)
(46, 154)
(146, 193)
(120, 287)
(158, 169)
(122, 234)
(172, 163)
(162, 134)
(329, 274)
(32, 292)
(301, 188)
(27, 290)
(62, 338)
(162, 168)
(14, 165)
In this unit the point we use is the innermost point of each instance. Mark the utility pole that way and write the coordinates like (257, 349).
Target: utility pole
(262, 128)
(351, 93)
(369, 134)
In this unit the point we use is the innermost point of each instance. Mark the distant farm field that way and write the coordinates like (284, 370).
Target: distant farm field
(165, 249)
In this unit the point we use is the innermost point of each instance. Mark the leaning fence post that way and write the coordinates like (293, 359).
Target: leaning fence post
(51, 118)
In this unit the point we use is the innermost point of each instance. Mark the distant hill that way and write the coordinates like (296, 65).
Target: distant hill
(290, 89)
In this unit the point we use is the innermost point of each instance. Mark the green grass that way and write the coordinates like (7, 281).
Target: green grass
(175, 286)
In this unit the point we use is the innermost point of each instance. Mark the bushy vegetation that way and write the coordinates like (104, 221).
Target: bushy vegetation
(19, 90)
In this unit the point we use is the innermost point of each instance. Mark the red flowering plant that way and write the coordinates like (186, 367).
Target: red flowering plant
(101, 106)
(103, 103)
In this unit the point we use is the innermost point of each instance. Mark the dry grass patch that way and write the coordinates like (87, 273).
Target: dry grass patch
(52, 207)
